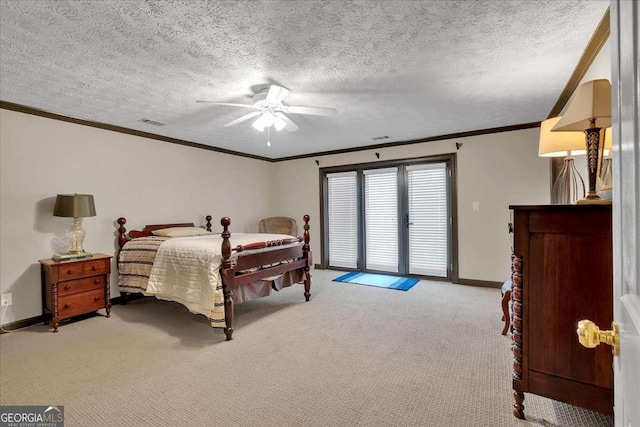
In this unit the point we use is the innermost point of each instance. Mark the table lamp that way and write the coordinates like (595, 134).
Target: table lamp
(568, 185)
(76, 206)
(590, 111)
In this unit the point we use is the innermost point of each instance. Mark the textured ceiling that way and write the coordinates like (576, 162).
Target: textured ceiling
(405, 69)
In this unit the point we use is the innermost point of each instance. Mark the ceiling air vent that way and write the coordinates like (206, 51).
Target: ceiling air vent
(378, 138)
(151, 122)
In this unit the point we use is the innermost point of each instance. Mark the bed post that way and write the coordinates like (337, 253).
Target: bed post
(306, 253)
(208, 218)
(227, 264)
(122, 238)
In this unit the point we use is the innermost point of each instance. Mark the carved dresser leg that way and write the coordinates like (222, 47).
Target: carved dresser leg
(518, 407)
(108, 293)
(55, 317)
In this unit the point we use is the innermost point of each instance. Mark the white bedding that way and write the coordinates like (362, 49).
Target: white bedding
(187, 270)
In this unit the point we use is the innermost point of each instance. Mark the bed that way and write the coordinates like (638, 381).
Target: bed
(210, 272)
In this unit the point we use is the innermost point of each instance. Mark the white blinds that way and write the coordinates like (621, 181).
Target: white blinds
(342, 210)
(428, 215)
(381, 219)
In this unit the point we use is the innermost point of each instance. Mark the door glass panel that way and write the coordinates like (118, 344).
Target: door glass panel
(342, 212)
(428, 219)
(381, 219)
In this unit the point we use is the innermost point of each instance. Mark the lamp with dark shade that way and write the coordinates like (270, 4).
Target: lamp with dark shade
(590, 111)
(76, 206)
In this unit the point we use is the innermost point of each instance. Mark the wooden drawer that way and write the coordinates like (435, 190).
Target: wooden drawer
(84, 302)
(95, 267)
(80, 285)
(71, 270)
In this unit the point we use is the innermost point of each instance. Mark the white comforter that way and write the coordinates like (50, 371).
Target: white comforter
(187, 270)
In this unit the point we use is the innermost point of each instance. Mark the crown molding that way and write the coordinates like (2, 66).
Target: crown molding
(416, 141)
(599, 38)
(120, 129)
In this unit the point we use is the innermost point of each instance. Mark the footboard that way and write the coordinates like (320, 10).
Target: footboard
(242, 269)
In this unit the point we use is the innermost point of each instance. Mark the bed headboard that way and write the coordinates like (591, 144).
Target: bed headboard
(146, 231)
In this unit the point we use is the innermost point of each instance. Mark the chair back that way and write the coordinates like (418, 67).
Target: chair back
(279, 225)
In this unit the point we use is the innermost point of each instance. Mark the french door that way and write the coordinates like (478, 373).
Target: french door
(392, 217)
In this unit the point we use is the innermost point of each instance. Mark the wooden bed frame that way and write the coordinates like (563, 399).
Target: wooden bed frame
(232, 270)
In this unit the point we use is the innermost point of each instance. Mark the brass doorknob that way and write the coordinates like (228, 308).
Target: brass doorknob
(591, 336)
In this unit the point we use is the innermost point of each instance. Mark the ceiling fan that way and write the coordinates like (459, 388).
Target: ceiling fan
(271, 110)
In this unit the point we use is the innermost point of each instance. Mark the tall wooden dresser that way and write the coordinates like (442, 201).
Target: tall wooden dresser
(562, 272)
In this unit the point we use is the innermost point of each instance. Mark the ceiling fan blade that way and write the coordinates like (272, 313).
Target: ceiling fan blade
(228, 104)
(316, 111)
(243, 118)
(276, 94)
(290, 126)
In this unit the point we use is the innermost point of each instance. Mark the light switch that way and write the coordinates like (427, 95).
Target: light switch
(476, 206)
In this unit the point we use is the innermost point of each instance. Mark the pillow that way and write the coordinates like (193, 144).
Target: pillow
(180, 232)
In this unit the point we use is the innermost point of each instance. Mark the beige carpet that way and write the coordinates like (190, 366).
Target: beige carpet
(353, 356)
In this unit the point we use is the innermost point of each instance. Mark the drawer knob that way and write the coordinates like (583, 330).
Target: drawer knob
(67, 287)
(69, 271)
(94, 268)
(67, 305)
(96, 299)
(96, 281)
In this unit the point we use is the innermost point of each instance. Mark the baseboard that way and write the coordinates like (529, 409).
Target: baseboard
(21, 324)
(481, 283)
(318, 267)
(18, 324)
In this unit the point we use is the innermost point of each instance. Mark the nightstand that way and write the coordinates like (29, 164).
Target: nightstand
(72, 288)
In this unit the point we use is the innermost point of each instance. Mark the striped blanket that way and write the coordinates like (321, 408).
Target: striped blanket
(135, 262)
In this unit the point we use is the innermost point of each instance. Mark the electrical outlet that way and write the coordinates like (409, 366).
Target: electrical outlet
(6, 299)
(476, 206)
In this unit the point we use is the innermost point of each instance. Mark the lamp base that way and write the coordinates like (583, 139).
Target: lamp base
(568, 185)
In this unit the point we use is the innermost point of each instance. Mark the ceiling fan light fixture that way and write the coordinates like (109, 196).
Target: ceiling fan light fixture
(259, 125)
(267, 118)
(279, 123)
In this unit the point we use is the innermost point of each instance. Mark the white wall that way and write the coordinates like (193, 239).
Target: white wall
(144, 180)
(495, 170)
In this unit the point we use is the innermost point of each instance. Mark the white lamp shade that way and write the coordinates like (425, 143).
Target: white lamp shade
(592, 101)
(558, 144)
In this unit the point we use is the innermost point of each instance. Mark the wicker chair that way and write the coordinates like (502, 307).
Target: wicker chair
(279, 225)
